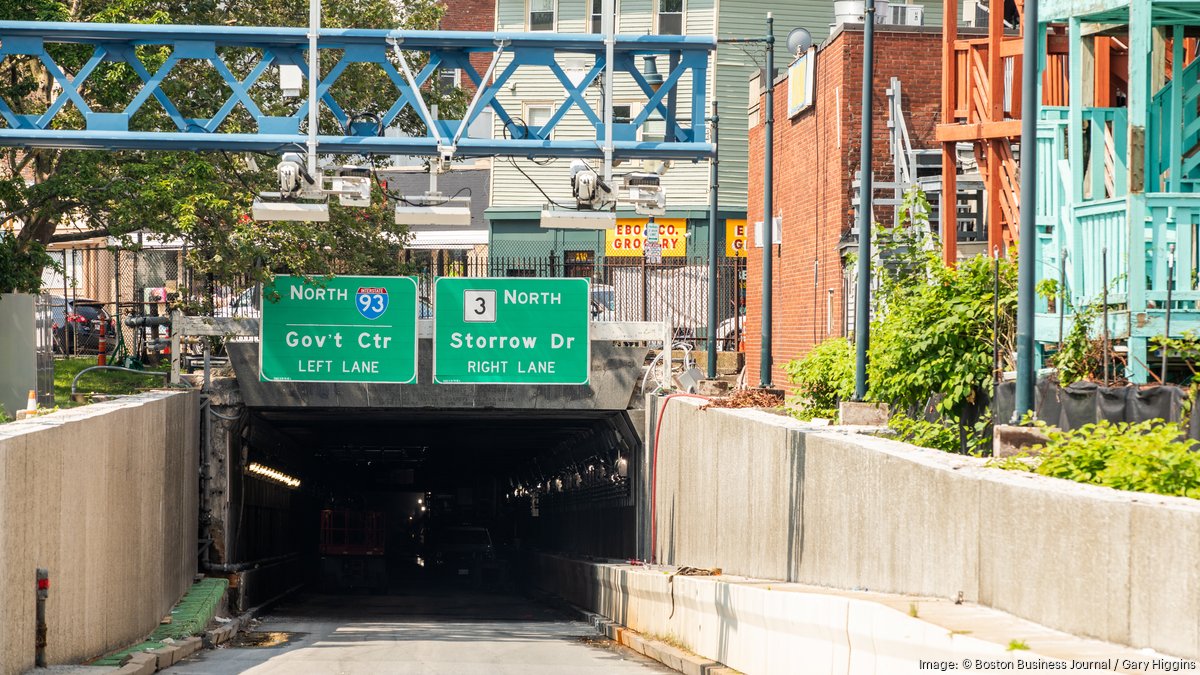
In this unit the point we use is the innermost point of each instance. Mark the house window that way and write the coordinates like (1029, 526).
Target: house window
(448, 78)
(622, 113)
(670, 17)
(537, 115)
(596, 15)
(541, 15)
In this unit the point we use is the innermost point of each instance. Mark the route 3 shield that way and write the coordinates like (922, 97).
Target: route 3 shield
(371, 302)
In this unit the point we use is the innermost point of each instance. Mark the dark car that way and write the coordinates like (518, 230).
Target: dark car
(76, 324)
(464, 551)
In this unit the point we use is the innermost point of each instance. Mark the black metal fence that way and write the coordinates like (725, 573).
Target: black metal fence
(674, 289)
(101, 286)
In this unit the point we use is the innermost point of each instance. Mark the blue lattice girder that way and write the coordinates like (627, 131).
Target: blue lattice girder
(279, 46)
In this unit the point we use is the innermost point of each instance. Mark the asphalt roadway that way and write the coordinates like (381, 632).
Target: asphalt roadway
(427, 631)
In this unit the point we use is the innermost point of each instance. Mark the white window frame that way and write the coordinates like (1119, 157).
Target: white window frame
(529, 22)
(588, 14)
(550, 106)
(457, 76)
(634, 110)
(682, 17)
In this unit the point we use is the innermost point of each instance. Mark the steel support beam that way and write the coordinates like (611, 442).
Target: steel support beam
(276, 131)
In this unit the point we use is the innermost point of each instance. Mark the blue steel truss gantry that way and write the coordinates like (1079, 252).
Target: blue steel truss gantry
(688, 59)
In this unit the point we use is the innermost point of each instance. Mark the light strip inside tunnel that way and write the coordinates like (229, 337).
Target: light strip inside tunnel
(273, 474)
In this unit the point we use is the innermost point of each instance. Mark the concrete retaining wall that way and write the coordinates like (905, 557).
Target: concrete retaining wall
(759, 627)
(764, 496)
(105, 497)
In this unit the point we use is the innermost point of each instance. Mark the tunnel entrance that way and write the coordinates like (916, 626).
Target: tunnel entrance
(391, 501)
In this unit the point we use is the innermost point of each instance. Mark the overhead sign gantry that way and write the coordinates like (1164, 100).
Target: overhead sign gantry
(392, 51)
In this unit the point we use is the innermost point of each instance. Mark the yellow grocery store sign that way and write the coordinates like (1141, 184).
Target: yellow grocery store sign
(735, 238)
(628, 238)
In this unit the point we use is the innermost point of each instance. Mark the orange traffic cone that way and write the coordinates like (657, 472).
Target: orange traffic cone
(31, 404)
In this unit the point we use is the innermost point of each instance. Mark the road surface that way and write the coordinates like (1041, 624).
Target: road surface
(428, 631)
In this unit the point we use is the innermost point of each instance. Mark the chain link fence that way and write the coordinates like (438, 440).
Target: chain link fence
(94, 289)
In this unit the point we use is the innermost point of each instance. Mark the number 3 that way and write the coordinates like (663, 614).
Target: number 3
(482, 309)
(378, 302)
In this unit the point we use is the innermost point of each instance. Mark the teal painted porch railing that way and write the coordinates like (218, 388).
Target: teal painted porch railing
(1172, 221)
(1173, 135)
(1105, 145)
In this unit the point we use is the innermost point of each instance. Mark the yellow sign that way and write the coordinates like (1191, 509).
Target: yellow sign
(628, 238)
(800, 82)
(735, 238)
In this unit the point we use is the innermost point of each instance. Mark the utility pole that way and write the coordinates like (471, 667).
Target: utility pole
(768, 222)
(713, 184)
(862, 311)
(1027, 249)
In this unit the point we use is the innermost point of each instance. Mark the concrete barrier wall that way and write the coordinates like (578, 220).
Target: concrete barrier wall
(765, 496)
(758, 627)
(105, 497)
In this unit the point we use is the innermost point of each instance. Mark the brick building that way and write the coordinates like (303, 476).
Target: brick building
(817, 155)
(473, 15)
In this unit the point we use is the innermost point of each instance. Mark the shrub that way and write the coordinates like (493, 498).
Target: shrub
(825, 377)
(942, 435)
(924, 433)
(1149, 456)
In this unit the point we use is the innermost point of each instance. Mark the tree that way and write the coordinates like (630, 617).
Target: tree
(201, 198)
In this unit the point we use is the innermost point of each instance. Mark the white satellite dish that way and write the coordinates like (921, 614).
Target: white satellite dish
(799, 41)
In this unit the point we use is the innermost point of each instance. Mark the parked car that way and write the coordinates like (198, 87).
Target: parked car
(75, 325)
(463, 551)
(604, 303)
(243, 306)
(726, 335)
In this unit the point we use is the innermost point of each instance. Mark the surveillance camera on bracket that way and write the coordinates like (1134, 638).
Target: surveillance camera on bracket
(352, 184)
(647, 194)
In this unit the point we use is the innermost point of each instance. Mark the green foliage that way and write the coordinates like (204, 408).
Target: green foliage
(931, 339)
(1017, 645)
(1147, 456)
(1187, 348)
(941, 435)
(825, 377)
(1080, 357)
(1047, 289)
(934, 334)
(21, 265)
(924, 433)
(202, 198)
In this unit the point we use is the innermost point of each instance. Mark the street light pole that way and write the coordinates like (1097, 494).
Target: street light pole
(713, 177)
(768, 222)
(1027, 249)
(862, 310)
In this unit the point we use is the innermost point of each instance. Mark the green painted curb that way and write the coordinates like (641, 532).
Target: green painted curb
(189, 617)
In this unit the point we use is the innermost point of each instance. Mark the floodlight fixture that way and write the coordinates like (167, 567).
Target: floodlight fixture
(567, 219)
(434, 210)
(303, 211)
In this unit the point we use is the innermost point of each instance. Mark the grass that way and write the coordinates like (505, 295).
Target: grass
(99, 381)
(1016, 645)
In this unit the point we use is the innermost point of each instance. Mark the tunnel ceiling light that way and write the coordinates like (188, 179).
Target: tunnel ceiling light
(273, 475)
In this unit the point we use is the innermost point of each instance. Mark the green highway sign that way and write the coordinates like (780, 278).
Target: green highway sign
(354, 329)
(511, 331)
